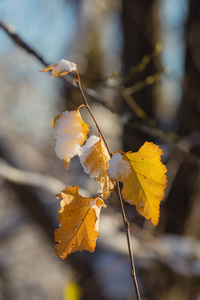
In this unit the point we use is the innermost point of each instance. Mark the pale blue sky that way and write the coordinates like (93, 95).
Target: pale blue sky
(49, 27)
(46, 25)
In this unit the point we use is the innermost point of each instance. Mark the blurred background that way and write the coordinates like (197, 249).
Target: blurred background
(139, 63)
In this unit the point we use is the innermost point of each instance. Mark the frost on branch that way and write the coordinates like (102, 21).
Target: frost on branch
(143, 177)
(70, 132)
(63, 67)
(79, 219)
(94, 159)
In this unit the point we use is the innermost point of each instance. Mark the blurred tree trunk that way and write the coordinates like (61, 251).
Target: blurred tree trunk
(179, 202)
(141, 32)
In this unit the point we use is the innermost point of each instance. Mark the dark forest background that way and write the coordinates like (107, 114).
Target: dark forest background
(139, 63)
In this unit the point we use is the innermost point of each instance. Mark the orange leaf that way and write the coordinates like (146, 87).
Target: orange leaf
(79, 219)
(95, 159)
(144, 180)
(70, 132)
(63, 67)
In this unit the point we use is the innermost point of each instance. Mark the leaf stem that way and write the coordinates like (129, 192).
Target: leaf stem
(118, 192)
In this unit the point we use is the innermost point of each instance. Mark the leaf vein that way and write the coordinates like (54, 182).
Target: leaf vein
(149, 178)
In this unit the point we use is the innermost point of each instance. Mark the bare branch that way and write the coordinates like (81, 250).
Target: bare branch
(70, 80)
(128, 237)
(183, 146)
(32, 179)
(150, 129)
(17, 39)
(118, 192)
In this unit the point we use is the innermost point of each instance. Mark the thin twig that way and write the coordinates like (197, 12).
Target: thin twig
(70, 80)
(127, 229)
(93, 117)
(118, 192)
(152, 131)
(140, 85)
(183, 146)
(17, 39)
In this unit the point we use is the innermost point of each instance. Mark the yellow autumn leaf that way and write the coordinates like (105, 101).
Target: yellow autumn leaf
(69, 132)
(79, 220)
(144, 180)
(94, 160)
(63, 67)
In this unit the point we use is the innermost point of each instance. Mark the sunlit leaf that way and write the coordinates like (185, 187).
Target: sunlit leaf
(95, 159)
(143, 177)
(79, 220)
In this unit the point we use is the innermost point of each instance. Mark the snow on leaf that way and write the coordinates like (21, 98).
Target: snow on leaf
(118, 166)
(79, 219)
(94, 159)
(63, 67)
(70, 132)
(144, 179)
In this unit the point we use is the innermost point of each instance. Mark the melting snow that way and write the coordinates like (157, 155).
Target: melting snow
(63, 66)
(118, 166)
(67, 133)
(85, 152)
